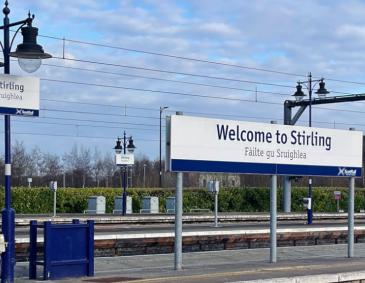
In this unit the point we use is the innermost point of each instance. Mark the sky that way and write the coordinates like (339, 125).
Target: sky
(117, 62)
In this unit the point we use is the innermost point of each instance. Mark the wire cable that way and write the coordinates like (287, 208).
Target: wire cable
(98, 121)
(86, 125)
(199, 60)
(160, 91)
(176, 56)
(78, 136)
(165, 80)
(171, 72)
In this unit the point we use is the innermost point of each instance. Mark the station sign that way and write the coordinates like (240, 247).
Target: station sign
(196, 144)
(19, 95)
(124, 159)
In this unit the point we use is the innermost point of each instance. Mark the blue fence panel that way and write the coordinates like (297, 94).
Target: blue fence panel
(68, 250)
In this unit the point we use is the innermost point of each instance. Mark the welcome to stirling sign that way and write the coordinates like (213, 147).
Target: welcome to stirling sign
(19, 95)
(212, 145)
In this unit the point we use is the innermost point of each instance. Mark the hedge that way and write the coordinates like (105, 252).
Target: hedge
(72, 200)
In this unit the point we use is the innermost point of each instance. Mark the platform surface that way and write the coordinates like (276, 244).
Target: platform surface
(294, 264)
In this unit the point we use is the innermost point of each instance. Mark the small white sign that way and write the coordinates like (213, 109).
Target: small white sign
(213, 186)
(30, 180)
(53, 185)
(124, 159)
(19, 95)
(337, 195)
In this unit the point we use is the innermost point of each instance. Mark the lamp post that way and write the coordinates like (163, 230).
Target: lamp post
(160, 167)
(144, 175)
(30, 55)
(124, 159)
(322, 92)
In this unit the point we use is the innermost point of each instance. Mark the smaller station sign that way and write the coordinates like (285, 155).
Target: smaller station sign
(124, 159)
(19, 95)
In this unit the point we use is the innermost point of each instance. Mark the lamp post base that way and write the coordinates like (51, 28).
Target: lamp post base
(8, 257)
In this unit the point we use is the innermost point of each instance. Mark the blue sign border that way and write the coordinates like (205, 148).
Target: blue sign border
(185, 165)
(19, 112)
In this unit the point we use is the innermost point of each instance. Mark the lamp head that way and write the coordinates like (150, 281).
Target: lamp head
(322, 91)
(299, 94)
(118, 147)
(29, 53)
(130, 147)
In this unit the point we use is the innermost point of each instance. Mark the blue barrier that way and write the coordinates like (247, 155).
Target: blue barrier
(68, 249)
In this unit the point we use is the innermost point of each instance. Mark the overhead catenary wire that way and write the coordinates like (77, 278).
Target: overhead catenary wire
(79, 136)
(98, 121)
(201, 84)
(87, 125)
(166, 80)
(99, 113)
(177, 57)
(199, 60)
(159, 91)
(185, 94)
(172, 72)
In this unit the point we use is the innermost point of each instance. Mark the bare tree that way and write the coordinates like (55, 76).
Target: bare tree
(78, 163)
(109, 169)
(21, 162)
(97, 167)
(51, 167)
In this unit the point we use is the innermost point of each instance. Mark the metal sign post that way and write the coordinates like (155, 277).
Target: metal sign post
(273, 224)
(213, 187)
(178, 221)
(350, 233)
(53, 187)
(178, 217)
(337, 198)
(350, 215)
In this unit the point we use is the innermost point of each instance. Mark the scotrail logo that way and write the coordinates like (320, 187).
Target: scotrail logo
(346, 172)
(24, 112)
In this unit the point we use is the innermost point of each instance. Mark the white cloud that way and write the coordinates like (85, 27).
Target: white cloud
(324, 37)
(217, 29)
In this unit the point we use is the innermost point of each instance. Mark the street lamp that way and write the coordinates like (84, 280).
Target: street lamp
(124, 159)
(160, 167)
(30, 55)
(322, 92)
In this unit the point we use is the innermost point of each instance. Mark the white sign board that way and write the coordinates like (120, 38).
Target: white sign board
(124, 159)
(19, 95)
(214, 145)
(53, 185)
(337, 195)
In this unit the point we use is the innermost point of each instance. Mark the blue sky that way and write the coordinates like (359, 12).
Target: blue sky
(326, 38)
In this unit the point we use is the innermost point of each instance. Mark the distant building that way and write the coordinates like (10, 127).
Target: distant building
(225, 180)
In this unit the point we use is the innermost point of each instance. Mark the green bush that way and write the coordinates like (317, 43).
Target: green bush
(72, 200)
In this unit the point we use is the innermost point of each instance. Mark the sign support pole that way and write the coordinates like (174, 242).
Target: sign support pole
(54, 202)
(350, 215)
(178, 221)
(215, 209)
(178, 217)
(350, 233)
(287, 194)
(273, 208)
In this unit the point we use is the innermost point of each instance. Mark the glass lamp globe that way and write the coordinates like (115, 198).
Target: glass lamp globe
(29, 65)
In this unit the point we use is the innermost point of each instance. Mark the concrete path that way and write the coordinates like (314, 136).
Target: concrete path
(316, 263)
